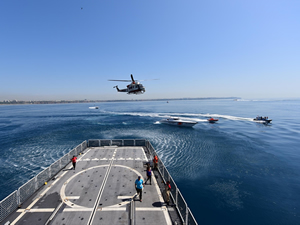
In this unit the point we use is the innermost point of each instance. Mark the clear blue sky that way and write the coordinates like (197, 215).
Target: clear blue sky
(53, 49)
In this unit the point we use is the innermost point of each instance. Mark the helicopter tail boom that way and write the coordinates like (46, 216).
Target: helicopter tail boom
(120, 90)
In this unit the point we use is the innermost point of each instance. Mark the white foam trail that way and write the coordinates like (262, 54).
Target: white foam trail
(244, 100)
(190, 116)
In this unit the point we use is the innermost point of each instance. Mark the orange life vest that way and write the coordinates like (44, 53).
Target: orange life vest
(169, 186)
(74, 159)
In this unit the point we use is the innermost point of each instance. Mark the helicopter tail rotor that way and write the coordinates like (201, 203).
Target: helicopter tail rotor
(116, 87)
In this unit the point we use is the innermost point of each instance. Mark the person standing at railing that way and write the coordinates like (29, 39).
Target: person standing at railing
(155, 162)
(74, 159)
(168, 190)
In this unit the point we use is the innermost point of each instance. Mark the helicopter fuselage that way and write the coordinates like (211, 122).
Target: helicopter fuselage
(135, 88)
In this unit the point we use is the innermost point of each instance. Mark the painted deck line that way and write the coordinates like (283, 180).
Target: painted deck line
(36, 210)
(91, 209)
(125, 197)
(92, 216)
(146, 159)
(72, 197)
(103, 159)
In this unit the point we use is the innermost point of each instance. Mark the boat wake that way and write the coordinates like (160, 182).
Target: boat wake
(197, 117)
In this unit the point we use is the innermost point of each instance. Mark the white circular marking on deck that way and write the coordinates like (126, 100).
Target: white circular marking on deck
(65, 198)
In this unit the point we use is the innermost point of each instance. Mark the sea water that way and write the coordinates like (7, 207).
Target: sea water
(235, 171)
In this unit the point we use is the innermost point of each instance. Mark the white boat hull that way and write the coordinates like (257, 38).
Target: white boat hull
(180, 123)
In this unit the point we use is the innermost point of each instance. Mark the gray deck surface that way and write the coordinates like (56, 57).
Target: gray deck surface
(100, 190)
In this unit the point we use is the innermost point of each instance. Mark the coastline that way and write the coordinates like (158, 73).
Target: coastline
(15, 102)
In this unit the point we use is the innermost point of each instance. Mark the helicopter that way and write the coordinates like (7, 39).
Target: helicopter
(134, 88)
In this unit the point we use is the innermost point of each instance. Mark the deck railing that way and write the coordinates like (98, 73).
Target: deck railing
(15, 199)
(181, 205)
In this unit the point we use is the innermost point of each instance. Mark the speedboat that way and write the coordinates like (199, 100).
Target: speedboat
(94, 107)
(262, 119)
(212, 120)
(178, 122)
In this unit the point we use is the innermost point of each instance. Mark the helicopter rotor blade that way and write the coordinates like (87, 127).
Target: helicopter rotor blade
(132, 78)
(147, 79)
(121, 80)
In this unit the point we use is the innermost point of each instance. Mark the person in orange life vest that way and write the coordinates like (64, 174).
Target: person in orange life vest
(168, 190)
(155, 162)
(74, 161)
(148, 173)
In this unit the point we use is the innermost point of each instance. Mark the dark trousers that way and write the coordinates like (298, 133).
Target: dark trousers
(139, 192)
(74, 165)
(148, 178)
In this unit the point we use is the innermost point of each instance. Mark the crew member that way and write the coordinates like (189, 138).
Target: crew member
(148, 173)
(168, 190)
(155, 162)
(139, 184)
(74, 159)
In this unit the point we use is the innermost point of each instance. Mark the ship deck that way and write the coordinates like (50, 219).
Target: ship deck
(101, 190)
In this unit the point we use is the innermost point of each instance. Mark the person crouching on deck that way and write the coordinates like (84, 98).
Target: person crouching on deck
(168, 190)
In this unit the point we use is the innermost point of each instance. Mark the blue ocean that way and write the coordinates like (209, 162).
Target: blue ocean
(236, 171)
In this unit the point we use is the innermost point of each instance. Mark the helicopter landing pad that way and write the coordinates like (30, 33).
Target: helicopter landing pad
(101, 190)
